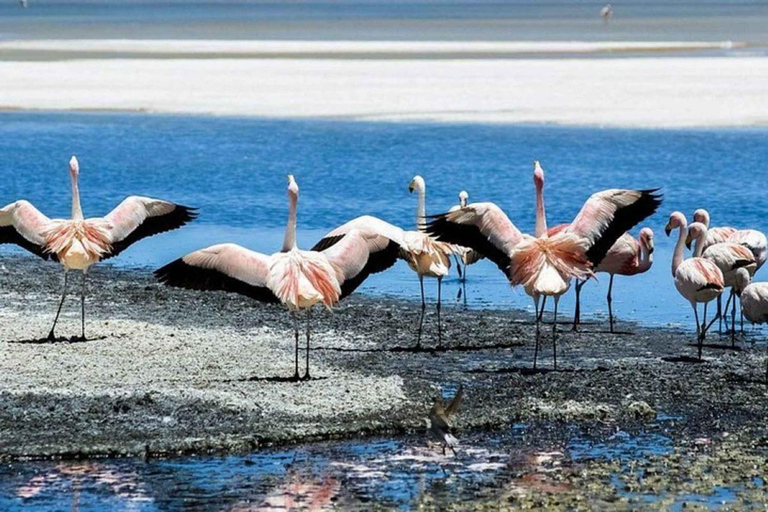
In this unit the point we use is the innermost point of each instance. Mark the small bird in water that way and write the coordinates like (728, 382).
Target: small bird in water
(606, 13)
(440, 421)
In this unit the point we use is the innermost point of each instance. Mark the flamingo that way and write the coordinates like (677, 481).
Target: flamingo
(606, 13)
(714, 235)
(424, 255)
(629, 256)
(78, 243)
(297, 279)
(464, 255)
(728, 257)
(697, 279)
(754, 301)
(545, 265)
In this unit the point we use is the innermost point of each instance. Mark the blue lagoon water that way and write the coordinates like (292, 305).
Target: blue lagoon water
(235, 171)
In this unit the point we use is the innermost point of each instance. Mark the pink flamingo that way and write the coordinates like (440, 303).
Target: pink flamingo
(544, 265)
(754, 301)
(423, 254)
(629, 256)
(297, 279)
(728, 257)
(79, 243)
(697, 279)
(752, 239)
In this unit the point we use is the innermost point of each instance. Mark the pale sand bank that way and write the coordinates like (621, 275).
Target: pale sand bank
(329, 49)
(636, 92)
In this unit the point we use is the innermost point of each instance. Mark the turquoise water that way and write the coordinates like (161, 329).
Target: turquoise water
(235, 171)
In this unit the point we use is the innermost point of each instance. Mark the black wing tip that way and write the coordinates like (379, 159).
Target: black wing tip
(186, 213)
(169, 274)
(326, 242)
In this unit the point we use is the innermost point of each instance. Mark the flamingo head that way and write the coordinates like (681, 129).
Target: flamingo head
(646, 238)
(701, 215)
(695, 230)
(293, 188)
(74, 167)
(538, 174)
(676, 220)
(463, 198)
(742, 280)
(417, 183)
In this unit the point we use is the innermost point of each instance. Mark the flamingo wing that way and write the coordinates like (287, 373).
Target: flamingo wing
(358, 254)
(139, 217)
(225, 267)
(607, 215)
(24, 225)
(483, 227)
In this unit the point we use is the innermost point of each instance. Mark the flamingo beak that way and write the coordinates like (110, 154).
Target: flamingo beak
(650, 246)
(688, 241)
(411, 188)
(667, 229)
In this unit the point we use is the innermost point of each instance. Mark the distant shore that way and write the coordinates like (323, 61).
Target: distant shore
(168, 371)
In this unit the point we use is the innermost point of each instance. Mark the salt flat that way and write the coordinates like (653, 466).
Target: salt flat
(680, 91)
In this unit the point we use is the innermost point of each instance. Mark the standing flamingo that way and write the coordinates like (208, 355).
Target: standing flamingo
(728, 257)
(629, 256)
(545, 265)
(697, 279)
(79, 243)
(297, 279)
(424, 255)
(754, 301)
(464, 255)
(714, 235)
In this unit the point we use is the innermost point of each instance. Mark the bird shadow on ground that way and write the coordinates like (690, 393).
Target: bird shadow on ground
(274, 379)
(717, 346)
(537, 371)
(60, 339)
(424, 350)
(683, 359)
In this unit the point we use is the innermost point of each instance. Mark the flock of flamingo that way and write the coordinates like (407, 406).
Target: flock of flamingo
(543, 264)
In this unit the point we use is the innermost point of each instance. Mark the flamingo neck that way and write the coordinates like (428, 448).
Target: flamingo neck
(289, 243)
(646, 257)
(77, 211)
(541, 214)
(421, 210)
(678, 256)
(699, 244)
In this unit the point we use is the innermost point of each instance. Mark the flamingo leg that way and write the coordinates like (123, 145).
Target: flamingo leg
(458, 267)
(577, 311)
(82, 309)
(423, 309)
(309, 318)
(733, 318)
(719, 313)
(439, 305)
(51, 335)
(538, 330)
(728, 305)
(698, 327)
(296, 345)
(554, 332)
(610, 303)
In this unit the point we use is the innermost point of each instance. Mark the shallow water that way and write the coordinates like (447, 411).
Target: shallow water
(390, 472)
(234, 170)
(642, 20)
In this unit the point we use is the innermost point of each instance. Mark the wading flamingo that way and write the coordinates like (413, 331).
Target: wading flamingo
(79, 243)
(752, 239)
(544, 265)
(754, 301)
(697, 279)
(728, 257)
(629, 256)
(297, 279)
(464, 255)
(424, 255)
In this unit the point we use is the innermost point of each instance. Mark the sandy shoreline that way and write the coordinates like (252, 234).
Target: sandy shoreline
(667, 92)
(168, 371)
